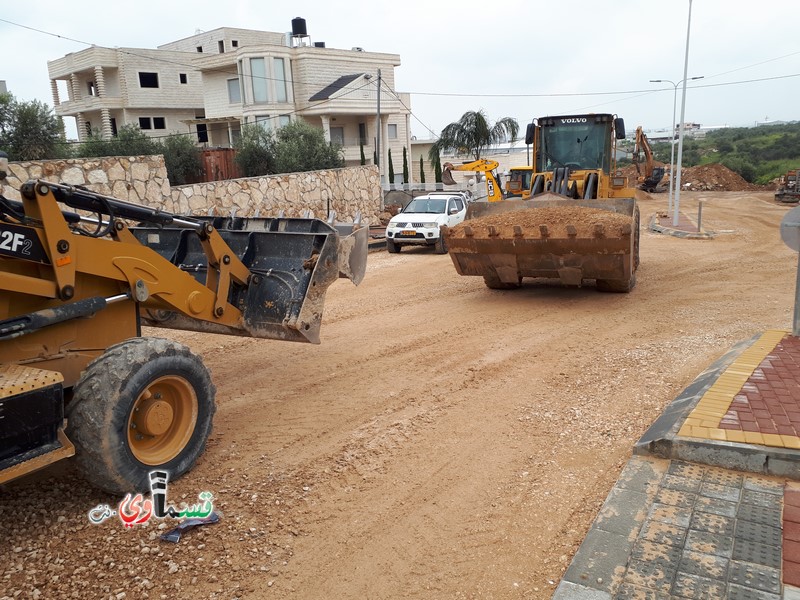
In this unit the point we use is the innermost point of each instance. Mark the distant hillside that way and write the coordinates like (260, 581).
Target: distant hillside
(758, 154)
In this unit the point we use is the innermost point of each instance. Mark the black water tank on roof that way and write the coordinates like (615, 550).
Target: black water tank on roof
(299, 27)
(319, 44)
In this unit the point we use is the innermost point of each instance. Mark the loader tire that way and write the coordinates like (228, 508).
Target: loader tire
(391, 247)
(441, 245)
(494, 283)
(616, 286)
(145, 404)
(636, 239)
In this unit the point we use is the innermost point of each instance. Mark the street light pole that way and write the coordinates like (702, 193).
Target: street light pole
(683, 116)
(672, 134)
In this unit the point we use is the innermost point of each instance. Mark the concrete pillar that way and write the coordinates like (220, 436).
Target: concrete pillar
(54, 92)
(81, 127)
(326, 127)
(75, 86)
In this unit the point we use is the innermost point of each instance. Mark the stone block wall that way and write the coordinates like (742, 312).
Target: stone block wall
(143, 180)
(139, 179)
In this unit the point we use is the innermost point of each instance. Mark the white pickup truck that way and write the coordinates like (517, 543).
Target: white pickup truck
(419, 222)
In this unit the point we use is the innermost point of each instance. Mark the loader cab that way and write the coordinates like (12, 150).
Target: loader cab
(519, 182)
(580, 142)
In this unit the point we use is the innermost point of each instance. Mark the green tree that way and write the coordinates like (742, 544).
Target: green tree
(473, 133)
(255, 151)
(421, 170)
(391, 166)
(302, 147)
(405, 165)
(130, 141)
(182, 159)
(29, 130)
(436, 161)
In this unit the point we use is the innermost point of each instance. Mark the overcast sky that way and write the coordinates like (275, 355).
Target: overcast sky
(519, 58)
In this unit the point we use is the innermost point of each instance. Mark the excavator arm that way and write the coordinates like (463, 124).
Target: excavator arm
(487, 167)
(652, 174)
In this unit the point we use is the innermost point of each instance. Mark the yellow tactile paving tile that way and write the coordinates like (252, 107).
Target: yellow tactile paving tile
(703, 422)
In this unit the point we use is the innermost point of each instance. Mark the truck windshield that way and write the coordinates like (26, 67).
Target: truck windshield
(583, 145)
(426, 205)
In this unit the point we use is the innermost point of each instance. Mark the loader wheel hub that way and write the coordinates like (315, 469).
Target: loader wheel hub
(163, 420)
(156, 419)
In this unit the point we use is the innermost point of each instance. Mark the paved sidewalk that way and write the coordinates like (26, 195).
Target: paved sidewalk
(708, 506)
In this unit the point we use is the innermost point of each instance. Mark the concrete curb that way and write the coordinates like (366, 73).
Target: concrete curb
(662, 439)
(654, 225)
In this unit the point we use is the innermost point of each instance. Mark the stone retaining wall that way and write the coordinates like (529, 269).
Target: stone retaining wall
(143, 180)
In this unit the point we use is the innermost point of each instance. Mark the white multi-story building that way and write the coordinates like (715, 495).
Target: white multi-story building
(210, 84)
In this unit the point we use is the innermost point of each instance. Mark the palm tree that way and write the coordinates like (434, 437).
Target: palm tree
(473, 133)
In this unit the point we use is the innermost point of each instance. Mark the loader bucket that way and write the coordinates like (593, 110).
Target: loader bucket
(550, 237)
(447, 177)
(292, 262)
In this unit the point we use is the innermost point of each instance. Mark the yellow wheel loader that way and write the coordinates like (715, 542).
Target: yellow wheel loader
(494, 193)
(578, 221)
(76, 375)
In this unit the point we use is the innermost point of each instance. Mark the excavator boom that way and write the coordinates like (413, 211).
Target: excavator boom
(494, 193)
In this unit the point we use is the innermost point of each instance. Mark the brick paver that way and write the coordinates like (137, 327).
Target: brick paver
(756, 400)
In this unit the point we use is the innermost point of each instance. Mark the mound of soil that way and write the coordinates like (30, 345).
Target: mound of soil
(555, 220)
(714, 177)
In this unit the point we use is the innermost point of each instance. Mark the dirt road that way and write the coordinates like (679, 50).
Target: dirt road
(444, 441)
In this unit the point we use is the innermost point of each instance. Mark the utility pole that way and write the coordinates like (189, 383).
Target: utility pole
(378, 130)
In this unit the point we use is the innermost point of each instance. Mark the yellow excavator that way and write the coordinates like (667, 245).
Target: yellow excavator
(494, 192)
(561, 228)
(76, 374)
(651, 178)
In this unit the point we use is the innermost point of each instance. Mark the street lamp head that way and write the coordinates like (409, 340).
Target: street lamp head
(656, 81)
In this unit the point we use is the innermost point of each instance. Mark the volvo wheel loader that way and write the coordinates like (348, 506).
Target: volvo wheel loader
(76, 374)
(578, 222)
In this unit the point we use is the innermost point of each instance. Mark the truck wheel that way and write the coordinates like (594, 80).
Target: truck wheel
(493, 282)
(441, 245)
(391, 247)
(145, 404)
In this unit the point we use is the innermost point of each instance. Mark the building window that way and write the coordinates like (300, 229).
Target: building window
(199, 48)
(148, 80)
(113, 127)
(159, 123)
(284, 120)
(263, 121)
(221, 45)
(182, 77)
(235, 43)
(234, 92)
(144, 123)
(258, 77)
(202, 132)
(90, 85)
(392, 131)
(337, 136)
(279, 73)
(88, 128)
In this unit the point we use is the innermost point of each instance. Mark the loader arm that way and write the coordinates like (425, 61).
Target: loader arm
(76, 375)
(494, 192)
